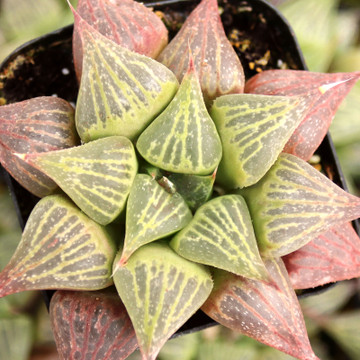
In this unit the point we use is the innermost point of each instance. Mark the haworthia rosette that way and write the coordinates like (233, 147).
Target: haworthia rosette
(126, 22)
(267, 312)
(61, 248)
(151, 213)
(293, 203)
(253, 131)
(204, 37)
(161, 291)
(183, 138)
(331, 256)
(325, 93)
(97, 176)
(37, 125)
(121, 92)
(91, 324)
(221, 235)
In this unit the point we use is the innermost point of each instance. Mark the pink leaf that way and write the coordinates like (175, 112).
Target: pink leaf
(331, 256)
(213, 54)
(126, 22)
(269, 313)
(326, 94)
(91, 325)
(37, 125)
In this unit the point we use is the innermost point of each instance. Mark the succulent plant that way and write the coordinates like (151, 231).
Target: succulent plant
(180, 195)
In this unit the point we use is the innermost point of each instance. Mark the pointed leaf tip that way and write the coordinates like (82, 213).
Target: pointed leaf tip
(183, 138)
(325, 93)
(61, 248)
(221, 235)
(210, 56)
(121, 91)
(97, 176)
(128, 23)
(161, 291)
(152, 213)
(267, 312)
(293, 203)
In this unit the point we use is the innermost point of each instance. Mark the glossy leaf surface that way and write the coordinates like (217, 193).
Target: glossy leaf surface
(293, 203)
(221, 235)
(61, 248)
(32, 126)
(151, 213)
(126, 22)
(253, 131)
(160, 290)
(213, 54)
(332, 256)
(183, 138)
(269, 313)
(195, 189)
(91, 325)
(326, 93)
(97, 176)
(120, 91)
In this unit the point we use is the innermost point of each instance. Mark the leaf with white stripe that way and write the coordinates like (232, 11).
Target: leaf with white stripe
(325, 93)
(253, 131)
(121, 91)
(293, 203)
(61, 248)
(37, 125)
(126, 22)
(204, 37)
(183, 138)
(267, 312)
(97, 176)
(221, 235)
(161, 291)
(152, 213)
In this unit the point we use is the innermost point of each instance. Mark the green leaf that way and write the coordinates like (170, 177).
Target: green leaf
(253, 131)
(91, 325)
(161, 291)
(195, 189)
(203, 37)
(152, 213)
(293, 203)
(61, 248)
(121, 92)
(183, 138)
(221, 235)
(16, 337)
(97, 176)
(267, 312)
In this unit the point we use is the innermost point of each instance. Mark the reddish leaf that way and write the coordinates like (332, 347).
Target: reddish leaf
(33, 126)
(326, 94)
(91, 325)
(331, 256)
(213, 54)
(126, 22)
(269, 313)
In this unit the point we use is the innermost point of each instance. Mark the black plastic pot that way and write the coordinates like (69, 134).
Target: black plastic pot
(44, 66)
